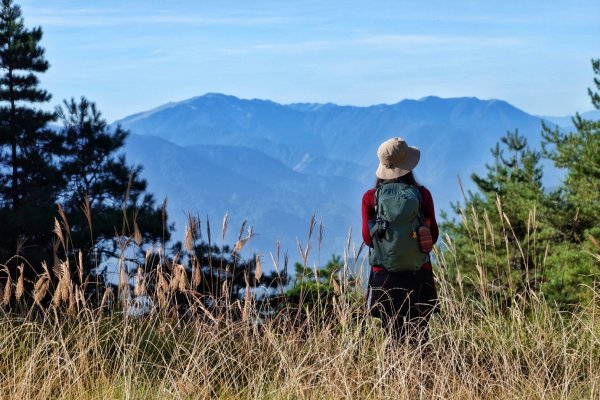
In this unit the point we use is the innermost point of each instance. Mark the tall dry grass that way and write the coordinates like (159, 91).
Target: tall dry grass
(478, 348)
(471, 354)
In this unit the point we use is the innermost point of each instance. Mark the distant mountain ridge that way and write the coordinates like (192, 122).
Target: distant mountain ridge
(276, 164)
(289, 132)
(567, 121)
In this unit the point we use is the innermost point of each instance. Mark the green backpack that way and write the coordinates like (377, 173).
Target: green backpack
(394, 232)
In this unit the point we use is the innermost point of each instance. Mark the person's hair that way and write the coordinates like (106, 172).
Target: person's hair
(409, 179)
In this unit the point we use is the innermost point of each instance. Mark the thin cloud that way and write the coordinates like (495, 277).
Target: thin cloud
(89, 17)
(392, 42)
(437, 40)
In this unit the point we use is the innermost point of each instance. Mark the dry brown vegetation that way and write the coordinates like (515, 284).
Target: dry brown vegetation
(71, 347)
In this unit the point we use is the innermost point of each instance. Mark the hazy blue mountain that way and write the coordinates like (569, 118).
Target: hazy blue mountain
(567, 121)
(290, 132)
(227, 120)
(276, 164)
(278, 202)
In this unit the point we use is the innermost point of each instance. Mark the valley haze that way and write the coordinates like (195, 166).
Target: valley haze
(277, 164)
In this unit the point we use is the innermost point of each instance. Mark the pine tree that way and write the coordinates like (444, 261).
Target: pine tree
(516, 179)
(507, 214)
(104, 198)
(579, 153)
(548, 239)
(576, 205)
(28, 178)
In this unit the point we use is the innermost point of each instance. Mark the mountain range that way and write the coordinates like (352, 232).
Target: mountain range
(277, 164)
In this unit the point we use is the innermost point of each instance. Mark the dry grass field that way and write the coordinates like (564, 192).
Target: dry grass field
(473, 353)
(69, 348)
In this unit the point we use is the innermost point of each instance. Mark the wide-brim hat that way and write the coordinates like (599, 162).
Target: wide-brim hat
(396, 158)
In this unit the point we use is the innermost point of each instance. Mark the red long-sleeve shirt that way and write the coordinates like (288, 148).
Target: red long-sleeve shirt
(368, 213)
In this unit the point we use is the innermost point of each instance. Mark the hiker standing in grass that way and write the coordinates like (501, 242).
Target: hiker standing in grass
(399, 226)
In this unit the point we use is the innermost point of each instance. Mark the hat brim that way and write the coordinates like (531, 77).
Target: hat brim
(407, 165)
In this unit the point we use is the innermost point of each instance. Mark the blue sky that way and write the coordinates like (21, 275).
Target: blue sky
(132, 55)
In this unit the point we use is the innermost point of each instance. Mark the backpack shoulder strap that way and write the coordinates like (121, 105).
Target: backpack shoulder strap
(373, 227)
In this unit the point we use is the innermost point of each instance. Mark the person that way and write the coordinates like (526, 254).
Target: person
(403, 298)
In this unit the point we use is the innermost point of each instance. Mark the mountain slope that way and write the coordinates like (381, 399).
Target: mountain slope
(277, 164)
(208, 181)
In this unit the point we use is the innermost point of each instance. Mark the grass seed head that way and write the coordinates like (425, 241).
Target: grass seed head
(20, 284)
(7, 291)
(40, 289)
(72, 308)
(56, 268)
(106, 297)
(58, 232)
(137, 235)
(140, 284)
(87, 210)
(258, 270)
(123, 280)
(65, 281)
(57, 296)
(182, 283)
(80, 267)
(224, 226)
(189, 239)
(196, 273)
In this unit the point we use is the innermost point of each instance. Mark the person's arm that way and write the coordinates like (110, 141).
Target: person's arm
(429, 213)
(368, 213)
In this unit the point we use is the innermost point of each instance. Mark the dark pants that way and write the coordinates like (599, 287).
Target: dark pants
(404, 302)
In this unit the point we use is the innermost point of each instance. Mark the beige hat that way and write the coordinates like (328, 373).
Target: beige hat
(396, 158)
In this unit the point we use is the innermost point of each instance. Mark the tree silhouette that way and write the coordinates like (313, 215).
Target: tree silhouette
(104, 199)
(29, 178)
